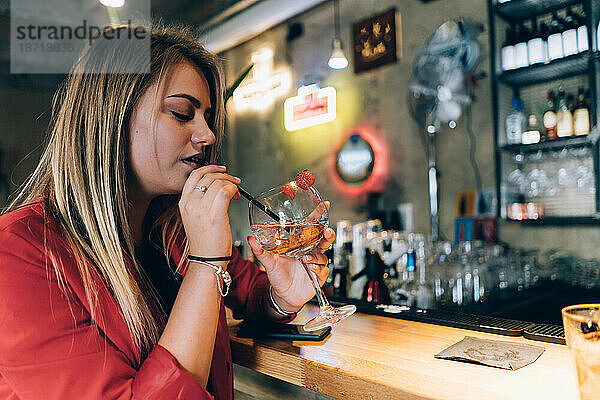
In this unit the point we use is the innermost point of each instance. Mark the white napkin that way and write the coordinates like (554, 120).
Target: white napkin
(494, 353)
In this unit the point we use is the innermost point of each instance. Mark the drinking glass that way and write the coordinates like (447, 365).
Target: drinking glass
(581, 323)
(292, 225)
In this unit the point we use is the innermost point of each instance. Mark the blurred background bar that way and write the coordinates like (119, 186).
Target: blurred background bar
(457, 141)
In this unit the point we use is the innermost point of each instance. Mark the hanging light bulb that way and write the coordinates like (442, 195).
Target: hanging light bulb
(337, 60)
(113, 3)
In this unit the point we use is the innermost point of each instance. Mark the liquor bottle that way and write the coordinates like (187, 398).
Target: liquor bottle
(342, 258)
(535, 45)
(587, 100)
(532, 133)
(424, 294)
(514, 122)
(508, 50)
(340, 281)
(358, 262)
(564, 118)
(569, 34)
(549, 118)
(555, 43)
(375, 290)
(582, 33)
(598, 42)
(521, 57)
(581, 115)
(544, 33)
(571, 103)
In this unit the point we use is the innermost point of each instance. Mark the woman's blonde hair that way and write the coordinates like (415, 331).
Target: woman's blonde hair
(82, 171)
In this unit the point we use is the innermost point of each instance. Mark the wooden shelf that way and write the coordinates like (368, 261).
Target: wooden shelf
(577, 64)
(517, 10)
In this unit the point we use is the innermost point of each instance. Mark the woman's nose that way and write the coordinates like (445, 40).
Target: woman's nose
(203, 135)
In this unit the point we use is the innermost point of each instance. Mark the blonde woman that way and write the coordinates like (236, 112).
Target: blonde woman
(97, 296)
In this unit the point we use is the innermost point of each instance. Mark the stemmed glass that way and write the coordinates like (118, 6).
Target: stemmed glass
(289, 220)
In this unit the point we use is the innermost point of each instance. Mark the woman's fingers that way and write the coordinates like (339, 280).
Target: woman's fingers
(209, 184)
(197, 174)
(322, 272)
(327, 240)
(204, 176)
(209, 179)
(268, 260)
(316, 258)
(219, 194)
(318, 263)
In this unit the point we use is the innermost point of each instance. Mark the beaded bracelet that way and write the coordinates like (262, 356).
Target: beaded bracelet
(276, 306)
(223, 277)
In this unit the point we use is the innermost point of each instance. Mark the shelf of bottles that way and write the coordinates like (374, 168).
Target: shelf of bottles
(545, 109)
(559, 120)
(562, 68)
(545, 46)
(517, 10)
(549, 145)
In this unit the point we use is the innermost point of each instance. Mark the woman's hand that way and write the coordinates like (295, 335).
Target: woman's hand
(292, 287)
(204, 212)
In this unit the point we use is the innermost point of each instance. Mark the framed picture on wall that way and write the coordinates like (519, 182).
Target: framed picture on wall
(377, 40)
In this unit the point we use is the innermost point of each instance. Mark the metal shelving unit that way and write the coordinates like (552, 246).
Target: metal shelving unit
(556, 144)
(558, 221)
(518, 10)
(577, 64)
(586, 65)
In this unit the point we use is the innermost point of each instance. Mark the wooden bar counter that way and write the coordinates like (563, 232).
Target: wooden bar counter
(372, 357)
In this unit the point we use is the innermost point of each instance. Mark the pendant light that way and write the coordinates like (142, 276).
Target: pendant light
(113, 3)
(111, 7)
(337, 60)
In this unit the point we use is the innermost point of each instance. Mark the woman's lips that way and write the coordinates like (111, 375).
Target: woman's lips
(193, 164)
(196, 160)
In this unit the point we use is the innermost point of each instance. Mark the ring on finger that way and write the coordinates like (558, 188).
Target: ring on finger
(201, 188)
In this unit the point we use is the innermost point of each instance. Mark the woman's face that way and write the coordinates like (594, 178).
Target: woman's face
(169, 132)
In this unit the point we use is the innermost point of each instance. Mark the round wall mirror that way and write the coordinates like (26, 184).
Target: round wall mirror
(355, 160)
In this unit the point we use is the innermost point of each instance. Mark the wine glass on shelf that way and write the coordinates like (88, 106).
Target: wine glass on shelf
(290, 221)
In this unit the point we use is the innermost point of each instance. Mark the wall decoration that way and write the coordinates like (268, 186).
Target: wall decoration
(355, 160)
(360, 162)
(377, 41)
(312, 106)
(265, 85)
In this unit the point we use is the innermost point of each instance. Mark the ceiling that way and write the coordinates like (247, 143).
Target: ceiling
(197, 13)
(203, 13)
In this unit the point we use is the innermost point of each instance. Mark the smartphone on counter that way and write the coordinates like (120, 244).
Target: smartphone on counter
(280, 331)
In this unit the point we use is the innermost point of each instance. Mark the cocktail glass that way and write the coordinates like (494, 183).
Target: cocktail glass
(582, 331)
(292, 225)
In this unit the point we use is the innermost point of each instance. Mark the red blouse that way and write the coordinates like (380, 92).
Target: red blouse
(49, 347)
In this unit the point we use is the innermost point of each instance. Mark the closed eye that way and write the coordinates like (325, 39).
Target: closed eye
(182, 117)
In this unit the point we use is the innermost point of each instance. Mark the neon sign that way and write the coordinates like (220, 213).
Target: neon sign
(376, 178)
(265, 85)
(312, 106)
